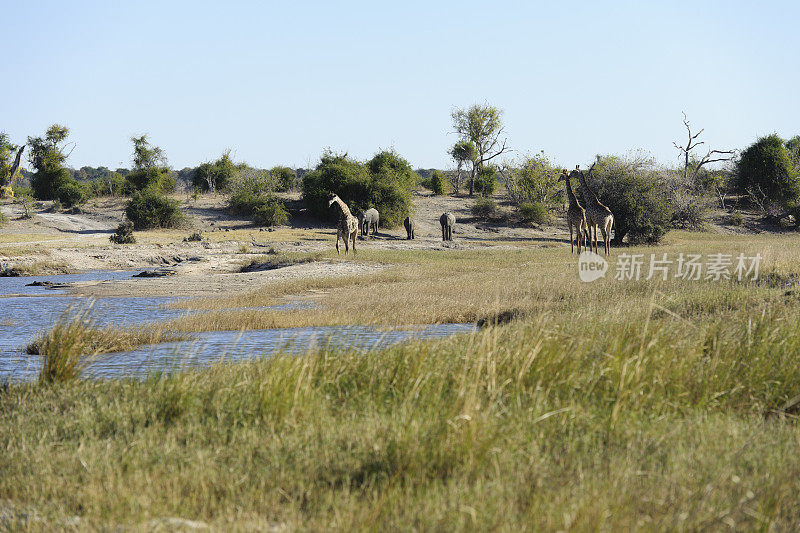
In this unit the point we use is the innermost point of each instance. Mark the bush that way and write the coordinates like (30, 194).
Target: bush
(111, 185)
(151, 178)
(486, 181)
(534, 180)
(634, 192)
(384, 183)
(151, 209)
(215, 176)
(736, 219)
(533, 212)
(124, 234)
(72, 193)
(484, 208)
(688, 211)
(197, 236)
(3, 218)
(46, 182)
(270, 213)
(436, 183)
(765, 169)
(285, 177)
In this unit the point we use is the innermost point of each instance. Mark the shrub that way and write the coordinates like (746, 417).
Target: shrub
(151, 178)
(151, 209)
(486, 181)
(533, 212)
(484, 208)
(765, 169)
(534, 179)
(197, 236)
(124, 234)
(215, 176)
(688, 211)
(3, 218)
(285, 177)
(635, 194)
(271, 212)
(436, 183)
(48, 181)
(736, 219)
(111, 185)
(72, 193)
(384, 183)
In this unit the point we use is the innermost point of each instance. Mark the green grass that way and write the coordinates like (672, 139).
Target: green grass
(604, 406)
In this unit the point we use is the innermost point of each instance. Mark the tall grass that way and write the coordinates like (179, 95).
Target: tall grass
(604, 406)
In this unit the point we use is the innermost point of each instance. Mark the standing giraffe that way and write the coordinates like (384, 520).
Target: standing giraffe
(576, 215)
(347, 228)
(598, 215)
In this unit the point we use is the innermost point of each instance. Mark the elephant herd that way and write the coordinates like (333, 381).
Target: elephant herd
(369, 221)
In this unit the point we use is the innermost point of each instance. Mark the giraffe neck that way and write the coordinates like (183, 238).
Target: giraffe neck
(343, 207)
(573, 202)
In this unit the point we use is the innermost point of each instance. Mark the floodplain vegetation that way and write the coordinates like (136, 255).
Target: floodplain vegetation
(608, 405)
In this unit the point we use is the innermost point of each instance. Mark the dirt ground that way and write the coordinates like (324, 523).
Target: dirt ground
(55, 242)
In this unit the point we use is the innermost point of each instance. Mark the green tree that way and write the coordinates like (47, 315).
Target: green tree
(285, 177)
(482, 125)
(47, 157)
(215, 176)
(793, 146)
(437, 182)
(384, 182)
(150, 167)
(766, 173)
(462, 152)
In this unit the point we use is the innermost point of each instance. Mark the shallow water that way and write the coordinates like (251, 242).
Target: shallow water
(31, 311)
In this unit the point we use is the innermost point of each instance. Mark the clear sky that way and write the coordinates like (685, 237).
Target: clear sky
(277, 82)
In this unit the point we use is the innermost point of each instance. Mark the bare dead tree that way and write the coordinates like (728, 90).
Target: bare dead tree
(712, 156)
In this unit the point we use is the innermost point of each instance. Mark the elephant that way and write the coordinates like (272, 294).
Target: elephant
(448, 222)
(409, 224)
(369, 220)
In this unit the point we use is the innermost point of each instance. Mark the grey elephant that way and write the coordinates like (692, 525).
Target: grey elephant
(409, 225)
(448, 222)
(369, 220)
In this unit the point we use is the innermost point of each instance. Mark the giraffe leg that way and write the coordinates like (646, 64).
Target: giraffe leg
(571, 240)
(354, 244)
(338, 233)
(605, 240)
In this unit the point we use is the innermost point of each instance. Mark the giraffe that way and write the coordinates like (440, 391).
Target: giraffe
(576, 215)
(597, 214)
(347, 228)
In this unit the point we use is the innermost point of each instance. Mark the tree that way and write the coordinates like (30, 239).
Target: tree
(384, 182)
(690, 161)
(284, 176)
(215, 176)
(793, 146)
(461, 152)
(765, 172)
(437, 183)
(481, 125)
(47, 157)
(150, 167)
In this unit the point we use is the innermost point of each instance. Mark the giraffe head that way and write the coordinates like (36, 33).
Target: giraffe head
(332, 197)
(563, 176)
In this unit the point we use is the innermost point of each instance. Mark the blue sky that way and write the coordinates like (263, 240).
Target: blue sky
(277, 82)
